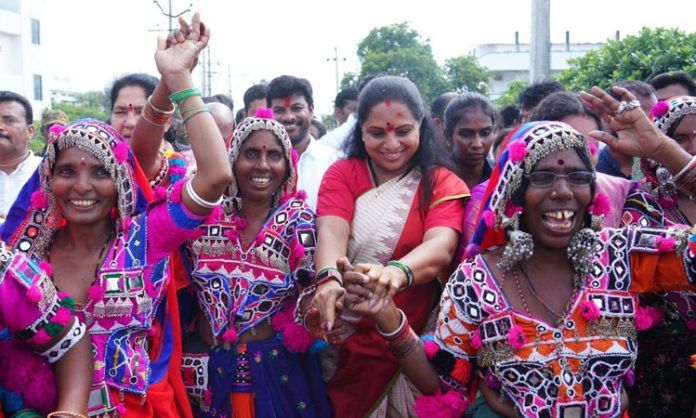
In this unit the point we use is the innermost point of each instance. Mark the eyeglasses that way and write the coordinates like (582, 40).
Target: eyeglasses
(543, 179)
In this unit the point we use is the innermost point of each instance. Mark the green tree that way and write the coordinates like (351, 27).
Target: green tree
(637, 57)
(509, 97)
(465, 74)
(398, 50)
(93, 104)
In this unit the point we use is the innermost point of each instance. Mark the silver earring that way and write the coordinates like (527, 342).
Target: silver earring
(519, 248)
(581, 252)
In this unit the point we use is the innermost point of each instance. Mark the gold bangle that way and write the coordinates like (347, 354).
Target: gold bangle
(65, 414)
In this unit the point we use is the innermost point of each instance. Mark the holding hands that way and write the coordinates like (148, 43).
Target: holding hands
(177, 54)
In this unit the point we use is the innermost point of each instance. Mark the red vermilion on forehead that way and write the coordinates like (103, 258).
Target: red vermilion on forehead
(387, 102)
(390, 127)
(561, 162)
(286, 102)
(130, 107)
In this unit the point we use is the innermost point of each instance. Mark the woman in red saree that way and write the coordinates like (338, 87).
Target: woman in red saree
(393, 211)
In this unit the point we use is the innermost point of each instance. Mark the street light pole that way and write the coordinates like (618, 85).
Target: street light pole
(335, 59)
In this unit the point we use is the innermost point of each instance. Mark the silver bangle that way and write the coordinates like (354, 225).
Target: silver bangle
(398, 329)
(686, 168)
(58, 350)
(199, 200)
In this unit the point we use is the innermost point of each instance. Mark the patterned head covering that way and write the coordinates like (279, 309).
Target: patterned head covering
(35, 216)
(529, 144)
(666, 115)
(241, 134)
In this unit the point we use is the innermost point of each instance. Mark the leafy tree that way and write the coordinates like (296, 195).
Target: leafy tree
(639, 57)
(93, 104)
(465, 74)
(398, 50)
(509, 97)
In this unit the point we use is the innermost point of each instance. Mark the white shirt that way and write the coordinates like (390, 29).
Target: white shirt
(11, 184)
(337, 137)
(313, 163)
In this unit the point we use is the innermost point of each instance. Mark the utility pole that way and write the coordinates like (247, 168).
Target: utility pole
(335, 59)
(540, 57)
(169, 14)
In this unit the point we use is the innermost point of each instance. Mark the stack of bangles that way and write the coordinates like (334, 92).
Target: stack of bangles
(402, 341)
(186, 114)
(328, 273)
(405, 269)
(199, 200)
(56, 414)
(685, 179)
(155, 115)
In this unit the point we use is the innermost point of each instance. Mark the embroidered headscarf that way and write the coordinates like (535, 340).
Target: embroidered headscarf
(666, 115)
(526, 146)
(263, 121)
(35, 216)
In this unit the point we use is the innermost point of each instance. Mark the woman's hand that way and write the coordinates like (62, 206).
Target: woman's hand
(327, 300)
(384, 282)
(178, 53)
(636, 136)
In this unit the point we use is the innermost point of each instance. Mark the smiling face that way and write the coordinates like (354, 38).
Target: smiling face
(391, 135)
(261, 167)
(553, 214)
(295, 115)
(472, 138)
(83, 188)
(129, 103)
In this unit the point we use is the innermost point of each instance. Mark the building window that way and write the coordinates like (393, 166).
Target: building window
(35, 32)
(38, 87)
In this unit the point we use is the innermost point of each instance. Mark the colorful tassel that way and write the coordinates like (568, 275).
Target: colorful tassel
(431, 348)
(489, 218)
(518, 150)
(600, 205)
(229, 336)
(264, 113)
(476, 340)
(121, 152)
(448, 405)
(516, 337)
(461, 371)
(96, 293)
(659, 109)
(589, 310)
(38, 200)
(175, 195)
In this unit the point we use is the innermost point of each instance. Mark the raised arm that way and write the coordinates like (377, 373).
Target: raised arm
(214, 172)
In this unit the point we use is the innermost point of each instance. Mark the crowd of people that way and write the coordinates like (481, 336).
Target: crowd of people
(181, 260)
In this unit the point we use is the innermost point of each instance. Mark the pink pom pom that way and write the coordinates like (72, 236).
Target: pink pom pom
(449, 405)
(38, 200)
(264, 113)
(476, 340)
(643, 319)
(665, 245)
(296, 338)
(691, 325)
(62, 316)
(511, 210)
(295, 158)
(431, 348)
(298, 251)
(28, 375)
(177, 170)
(301, 195)
(659, 109)
(34, 294)
(655, 314)
(159, 194)
(472, 250)
(593, 148)
(229, 336)
(121, 152)
(41, 337)
(56, 129)
(518, 150)
(282, 318)
(600, 205)
(629, 377)
(121, 409)
(46, 267)
(516, 337)
(284, 198)
(589, 310)
(96, 293)
(489, 218)
(176, 191)
(214, 215)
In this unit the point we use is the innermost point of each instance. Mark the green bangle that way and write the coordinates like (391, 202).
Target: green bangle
(186, 119)
(182, 95)
(327, 269)
(405, 269)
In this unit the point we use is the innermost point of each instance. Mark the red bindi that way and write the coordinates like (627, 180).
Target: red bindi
(387, 102)
(130, 107)
(561, 162)
(286, 102)
(390, 127)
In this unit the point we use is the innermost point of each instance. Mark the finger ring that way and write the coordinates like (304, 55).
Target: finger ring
(624, 106)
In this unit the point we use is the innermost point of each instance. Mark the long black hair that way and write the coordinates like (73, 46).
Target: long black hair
(430, 153)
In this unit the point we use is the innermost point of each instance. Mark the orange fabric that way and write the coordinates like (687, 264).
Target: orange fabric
(658, 273)
(242, 405)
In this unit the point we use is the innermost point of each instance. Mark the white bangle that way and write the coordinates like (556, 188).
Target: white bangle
(398, 329)
(58, 350)
(199, 200)
(686, 168)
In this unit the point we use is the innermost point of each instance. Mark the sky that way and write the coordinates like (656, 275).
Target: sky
(259, 40)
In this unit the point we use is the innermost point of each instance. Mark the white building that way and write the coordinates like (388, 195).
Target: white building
(510, 62)
(23, 53)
